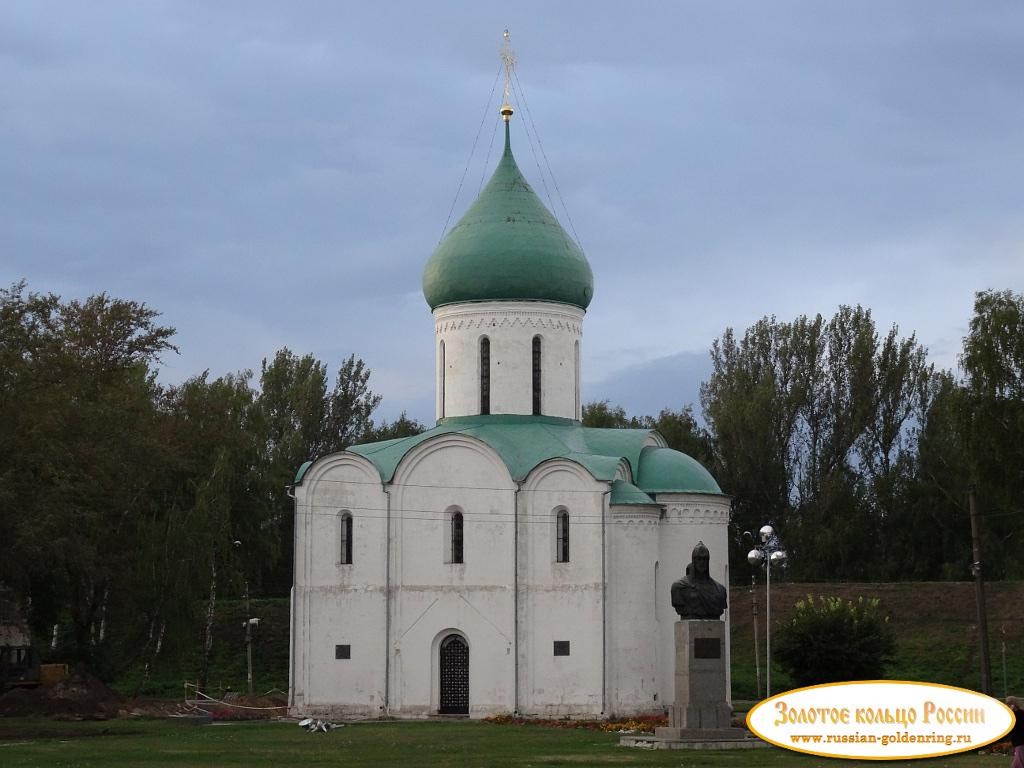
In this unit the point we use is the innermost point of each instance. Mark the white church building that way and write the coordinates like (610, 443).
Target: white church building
(509, 560)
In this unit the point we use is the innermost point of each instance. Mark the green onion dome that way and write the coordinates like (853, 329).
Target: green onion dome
(508, 247)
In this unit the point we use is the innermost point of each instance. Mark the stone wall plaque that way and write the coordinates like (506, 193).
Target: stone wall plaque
(707, 648)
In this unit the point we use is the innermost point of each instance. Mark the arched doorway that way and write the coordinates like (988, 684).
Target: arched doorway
(454, 668)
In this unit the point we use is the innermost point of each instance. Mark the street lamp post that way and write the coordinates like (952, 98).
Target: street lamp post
(767, 553)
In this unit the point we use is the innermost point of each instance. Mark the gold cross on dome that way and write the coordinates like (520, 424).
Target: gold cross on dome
(509, 59)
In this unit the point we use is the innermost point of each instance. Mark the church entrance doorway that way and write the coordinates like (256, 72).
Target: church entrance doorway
(454, 676)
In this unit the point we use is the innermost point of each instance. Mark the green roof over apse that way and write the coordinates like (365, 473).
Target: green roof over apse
(627, 494)
(508, 246)
(523, 442)
(664, 470)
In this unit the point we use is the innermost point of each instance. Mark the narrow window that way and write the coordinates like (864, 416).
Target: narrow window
(343, 651)
(346, 538)
(562, 537)
(561, 648)
(536, 376)
(657, 591)
(485, 376)
(457, 537)
(441, 385)
(579, 414)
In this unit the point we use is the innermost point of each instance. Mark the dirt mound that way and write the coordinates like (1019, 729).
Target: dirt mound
(236, 706)
(79, 696)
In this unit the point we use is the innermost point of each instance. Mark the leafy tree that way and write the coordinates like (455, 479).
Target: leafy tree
(969, 436)
(830, 640)
(81, 452)
(993, 356)
(812, 426)
(219, 490)
(926, 491)
(300, 420)
(679, 428)
(293, 411)
(750, 405)
(682, 432)
(293, 408)
(993, 423)
(603, 414)
(350, 406)
(403, 426)
(121, 501)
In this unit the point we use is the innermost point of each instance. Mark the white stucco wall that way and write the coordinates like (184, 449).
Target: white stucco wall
(336, 603)
(510, 326)
(633, 610)
(432, 597)
(561, 601)
(610, 601)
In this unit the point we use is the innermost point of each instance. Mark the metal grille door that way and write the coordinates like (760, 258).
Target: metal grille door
(454, 676)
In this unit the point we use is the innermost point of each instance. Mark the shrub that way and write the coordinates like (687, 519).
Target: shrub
(831, 640)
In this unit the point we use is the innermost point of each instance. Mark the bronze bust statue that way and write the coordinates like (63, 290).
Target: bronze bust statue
(697, 595)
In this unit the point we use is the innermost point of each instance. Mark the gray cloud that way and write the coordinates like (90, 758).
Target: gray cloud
(269, 174)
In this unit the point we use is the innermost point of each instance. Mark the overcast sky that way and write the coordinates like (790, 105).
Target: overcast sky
(276, 174)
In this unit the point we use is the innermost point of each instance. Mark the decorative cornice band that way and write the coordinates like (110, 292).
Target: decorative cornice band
(508, 315)
(695, 514)
(631, 521)
(508, 320)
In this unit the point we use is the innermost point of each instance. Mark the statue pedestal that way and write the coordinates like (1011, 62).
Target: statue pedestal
(701, 709)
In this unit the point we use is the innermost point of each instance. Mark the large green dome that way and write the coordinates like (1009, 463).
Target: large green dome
(508, 246)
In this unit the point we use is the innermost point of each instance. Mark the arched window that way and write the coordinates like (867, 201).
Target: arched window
(536, 375)
(562, 537)
(346, 538)
(485, 376)
(440, 386)
(456, 537)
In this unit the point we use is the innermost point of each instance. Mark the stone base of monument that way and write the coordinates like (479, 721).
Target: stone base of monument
(647, 741)
(692, 734)
(701, 717)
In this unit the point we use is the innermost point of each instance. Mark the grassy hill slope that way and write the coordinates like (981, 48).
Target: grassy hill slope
(934, 624)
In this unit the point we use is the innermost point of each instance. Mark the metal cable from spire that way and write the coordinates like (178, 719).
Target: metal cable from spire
(487, 160)
(554, 181)
(472, 151)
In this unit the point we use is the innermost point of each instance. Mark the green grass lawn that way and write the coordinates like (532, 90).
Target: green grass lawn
(41, 744)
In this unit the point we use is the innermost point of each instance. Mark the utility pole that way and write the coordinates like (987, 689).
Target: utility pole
(1002, 633)
(248, 638)
(979, 597)
(249, 622)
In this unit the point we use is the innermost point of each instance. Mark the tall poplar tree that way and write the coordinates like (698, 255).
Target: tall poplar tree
(302, 420)
(811, 423)
(993, 431)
